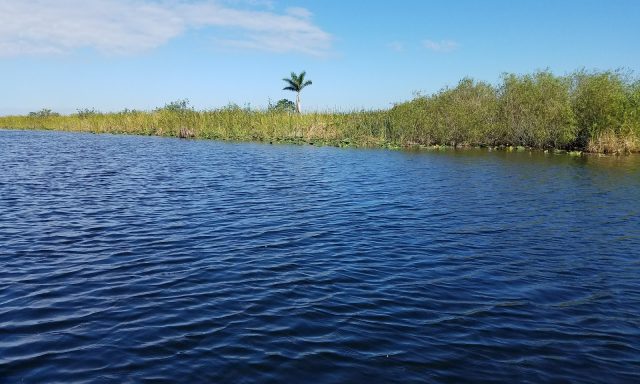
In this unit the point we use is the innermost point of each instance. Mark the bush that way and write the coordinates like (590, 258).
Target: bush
(535, 110)
(43, 113)
(631, 124)
(283, 105)
(593, 111)
(599, 101)
(466, 113)
(86, 113)
(176, 106)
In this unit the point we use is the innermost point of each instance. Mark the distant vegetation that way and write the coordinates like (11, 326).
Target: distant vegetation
(584, 111)
(43, 113)
(283, 105)
(296, 83)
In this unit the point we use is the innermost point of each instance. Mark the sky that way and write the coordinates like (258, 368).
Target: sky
(110, 55)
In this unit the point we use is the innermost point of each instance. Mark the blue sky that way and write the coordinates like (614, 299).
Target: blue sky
(116, 54)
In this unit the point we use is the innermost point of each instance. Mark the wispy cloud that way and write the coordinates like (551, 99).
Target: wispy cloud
(441, 46)
(29, 27)
(253, 3)
(299, 12)
(396, 46)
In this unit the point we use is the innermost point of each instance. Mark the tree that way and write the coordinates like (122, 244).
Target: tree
(44, 113)
(283, 105)
(176, 106)
(295, 84)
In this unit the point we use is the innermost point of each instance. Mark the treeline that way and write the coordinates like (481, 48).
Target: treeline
(586, 111)
(592, 111)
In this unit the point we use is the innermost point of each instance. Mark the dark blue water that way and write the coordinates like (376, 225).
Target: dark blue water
(137, 259)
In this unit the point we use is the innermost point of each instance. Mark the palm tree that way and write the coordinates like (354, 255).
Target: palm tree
(296, 84)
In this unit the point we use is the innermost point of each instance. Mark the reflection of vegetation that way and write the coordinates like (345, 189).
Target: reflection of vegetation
(586, 111)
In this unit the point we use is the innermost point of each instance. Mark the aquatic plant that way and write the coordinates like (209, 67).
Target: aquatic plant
(584, 111)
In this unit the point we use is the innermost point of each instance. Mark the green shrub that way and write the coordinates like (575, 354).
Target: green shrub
(599, 100)
(593, 111)
(465, 114)
(43, 113)
(283, 105)
(536, 111)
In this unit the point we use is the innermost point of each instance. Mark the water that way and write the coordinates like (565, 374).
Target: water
(138, 259)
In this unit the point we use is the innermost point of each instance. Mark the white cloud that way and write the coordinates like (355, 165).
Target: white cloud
(129, 26)
(254, 3)
(396, 46)
(441, 46)
(299, 12)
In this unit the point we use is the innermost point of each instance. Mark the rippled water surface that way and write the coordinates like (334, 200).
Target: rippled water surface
(138, 259)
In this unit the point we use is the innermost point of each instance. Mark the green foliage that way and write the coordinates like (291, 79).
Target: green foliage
(411, 122)
(296, 83)
(43, 113)
(86, 113)
(535, 110)
(128, 111)
(631, 124)
(176, 106)
(584, 111)
(283, 105)
(465, 114)
(233, 107)
(599, 101)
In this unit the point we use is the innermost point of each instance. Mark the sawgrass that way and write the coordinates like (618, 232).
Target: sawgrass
(584, 111)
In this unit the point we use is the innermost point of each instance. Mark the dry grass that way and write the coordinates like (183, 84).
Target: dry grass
(594, 112)
(610, 143)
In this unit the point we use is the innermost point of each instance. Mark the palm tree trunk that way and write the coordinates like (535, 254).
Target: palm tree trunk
(298, 105)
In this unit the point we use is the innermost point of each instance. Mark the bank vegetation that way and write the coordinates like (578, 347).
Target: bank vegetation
(584, 111)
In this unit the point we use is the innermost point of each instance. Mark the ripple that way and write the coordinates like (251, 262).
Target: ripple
(140, 259)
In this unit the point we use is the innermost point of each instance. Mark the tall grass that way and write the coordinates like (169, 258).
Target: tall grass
(588, 111)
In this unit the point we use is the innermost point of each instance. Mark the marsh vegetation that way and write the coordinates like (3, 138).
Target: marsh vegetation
(583, 111)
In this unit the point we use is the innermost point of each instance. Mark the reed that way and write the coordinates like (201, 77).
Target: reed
(584, 111)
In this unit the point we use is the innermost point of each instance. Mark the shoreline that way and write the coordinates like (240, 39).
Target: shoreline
(352, 145)
(595, 112)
